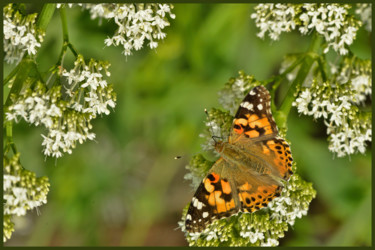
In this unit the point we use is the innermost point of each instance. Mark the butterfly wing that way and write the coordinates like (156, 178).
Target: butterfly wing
(254, 119)
(213, 199)
(255, 130)
(255, 191)
(227, 190)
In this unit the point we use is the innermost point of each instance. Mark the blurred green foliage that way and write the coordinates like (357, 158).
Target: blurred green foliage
(125, 188)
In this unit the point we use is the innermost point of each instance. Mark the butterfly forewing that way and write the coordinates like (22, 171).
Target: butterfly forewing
(254, 118)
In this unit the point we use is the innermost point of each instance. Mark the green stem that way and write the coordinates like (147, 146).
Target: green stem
(322, 69)
(9, 134)
(21, 76)
(73, 50)
(283, 112)
(66, 43)
(11, 75)
(278, 79)
(45, 16)
(64, 24)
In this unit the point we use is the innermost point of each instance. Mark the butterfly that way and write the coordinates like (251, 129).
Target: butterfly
(251, 169)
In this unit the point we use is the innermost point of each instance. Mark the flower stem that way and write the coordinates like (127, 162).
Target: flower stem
(64, 24)
(66, 43)
(9, 136)
(283, 112)
(45, 16)
(23, 71)
(11, 75)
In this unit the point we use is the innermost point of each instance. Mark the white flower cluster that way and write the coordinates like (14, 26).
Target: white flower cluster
(274, 19)
(22, 190)
(338, 105)
(364, 10)
(66, 116)
(137, 23)
(89, 93)
(332, 21)
(20, 35)
(287, 207)
(37, 110)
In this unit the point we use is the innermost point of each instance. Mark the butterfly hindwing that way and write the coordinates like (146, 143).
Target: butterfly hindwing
(214, 199)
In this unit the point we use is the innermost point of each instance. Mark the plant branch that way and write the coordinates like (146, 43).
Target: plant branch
(9, 136)
(66, 43)
(64, 24)
(11, 75)
(322, 69)
(45, 16)
(308, 60)
(21, 76)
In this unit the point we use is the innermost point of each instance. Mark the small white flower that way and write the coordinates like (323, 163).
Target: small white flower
(136, 23)
(329, 20)
(20, 35)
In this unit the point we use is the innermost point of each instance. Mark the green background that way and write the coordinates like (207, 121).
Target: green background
(126, 188)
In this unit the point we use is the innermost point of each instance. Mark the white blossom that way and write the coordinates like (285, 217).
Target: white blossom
(332, 21)
(338, 107)
(67, 121)
(138, 24)
(20, 35)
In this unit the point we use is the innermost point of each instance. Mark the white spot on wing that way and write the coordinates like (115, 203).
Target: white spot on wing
(252, 92)
(205, 214)
(260, 106)
(200, 205)
(247, 105)
(188, 217)
(195, 202)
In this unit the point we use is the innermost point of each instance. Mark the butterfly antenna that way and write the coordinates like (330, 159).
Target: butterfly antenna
(212, 131)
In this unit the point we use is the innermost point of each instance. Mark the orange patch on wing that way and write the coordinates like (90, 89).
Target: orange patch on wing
(245, 187)
(267, 190)
(268, 130)
(221, 207)
(270, 142)
(217, 202)
(241, 121)
(238, 131)
(265, 150)
(261, 123)
(216, 177)
(208, 186)
(211, 199)
(225, 187)
(230, 205)
(253, 118)
(252, 133)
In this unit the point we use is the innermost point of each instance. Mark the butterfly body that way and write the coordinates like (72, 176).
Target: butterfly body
(249, 174)
(239, 159)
